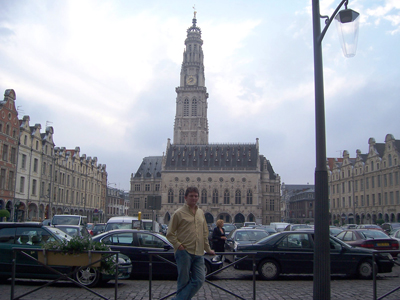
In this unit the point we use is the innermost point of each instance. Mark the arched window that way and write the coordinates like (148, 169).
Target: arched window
(186, 108)
(238, 197)
(204, 196)
(390, 160)
(170, 196)
(181, 196)
(215, 196)
(194, 107)
(226, 197)
(249, 197)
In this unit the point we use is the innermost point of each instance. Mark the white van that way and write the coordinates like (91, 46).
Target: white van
(279, 226)
(123, 222)
(69, 220)
(148, 225)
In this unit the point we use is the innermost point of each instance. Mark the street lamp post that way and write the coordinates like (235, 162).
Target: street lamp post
(321, 288)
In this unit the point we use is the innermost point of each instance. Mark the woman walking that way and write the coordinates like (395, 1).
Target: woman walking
(218, 237)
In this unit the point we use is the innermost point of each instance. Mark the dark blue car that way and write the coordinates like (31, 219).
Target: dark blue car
(292, 252)
(136, 244)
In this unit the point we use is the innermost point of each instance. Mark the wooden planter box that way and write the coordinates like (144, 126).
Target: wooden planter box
(74, 260)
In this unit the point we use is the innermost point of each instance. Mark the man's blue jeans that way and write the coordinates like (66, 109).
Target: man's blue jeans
(191, 274)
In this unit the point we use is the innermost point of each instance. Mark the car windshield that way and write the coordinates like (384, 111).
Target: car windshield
(89, 226)
(264, 240)
(59, 233)
(66, 220)
(229, 227)
(336, 230)
(72, 231)
(98, 227)
(251, 235)
(373, 234)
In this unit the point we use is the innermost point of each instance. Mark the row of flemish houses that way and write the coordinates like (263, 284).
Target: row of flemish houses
(37, 179)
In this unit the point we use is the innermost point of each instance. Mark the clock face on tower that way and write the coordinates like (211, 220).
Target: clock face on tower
(191, 80)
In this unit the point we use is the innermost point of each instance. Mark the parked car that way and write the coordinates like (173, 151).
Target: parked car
(249, 224)
(47, 222)
(238, 225)
(279, 226)
(349, 226)
(292, 227)
(164, 229)
(292, 252)
(124, 222)
(98, 228)
(390, 227)
(34, 235)
(333, 230)
(242, 236)
(89, 227)
(69, 220)
(136, 244)
(269, 229)
(370, 226)
(74, 230)
(369, 238)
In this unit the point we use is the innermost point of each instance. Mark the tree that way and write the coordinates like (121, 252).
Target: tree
(4, 213)
(380, 221)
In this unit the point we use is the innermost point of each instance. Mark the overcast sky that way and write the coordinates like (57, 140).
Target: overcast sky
(104, 74)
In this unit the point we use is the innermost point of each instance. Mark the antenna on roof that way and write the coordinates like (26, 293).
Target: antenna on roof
(341, 152)
(19, 109)
(48, 123)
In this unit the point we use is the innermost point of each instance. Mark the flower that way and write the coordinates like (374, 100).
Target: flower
(80, 244)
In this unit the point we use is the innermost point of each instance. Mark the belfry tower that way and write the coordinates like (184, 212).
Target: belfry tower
(191, 123)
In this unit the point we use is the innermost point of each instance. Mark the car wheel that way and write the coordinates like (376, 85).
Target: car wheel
(88, 277)
(268, 270)
(365, 270)
(207, 267)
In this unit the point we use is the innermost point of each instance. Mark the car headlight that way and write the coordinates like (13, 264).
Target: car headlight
(123, 259)
(216, 258)
(235, 246)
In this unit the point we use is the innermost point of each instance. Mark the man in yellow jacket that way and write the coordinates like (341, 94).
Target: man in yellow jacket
(188, 233)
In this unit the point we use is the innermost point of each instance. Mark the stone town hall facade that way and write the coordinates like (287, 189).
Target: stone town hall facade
(236, 183)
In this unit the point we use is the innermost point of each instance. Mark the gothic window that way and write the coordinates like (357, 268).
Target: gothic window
(204, 196)
(226, 197)
(249, 197)
(186, 108)
(181, 196)
(194, 108)
(238, 197)
(170, 196)
(215, 197)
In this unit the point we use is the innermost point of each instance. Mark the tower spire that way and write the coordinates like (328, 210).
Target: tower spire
(191, 123)
(194, 21)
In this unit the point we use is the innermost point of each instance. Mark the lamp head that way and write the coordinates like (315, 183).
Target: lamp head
(347, 23)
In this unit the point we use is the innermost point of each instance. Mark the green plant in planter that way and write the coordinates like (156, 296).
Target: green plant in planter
(80, 244)
(4, 213)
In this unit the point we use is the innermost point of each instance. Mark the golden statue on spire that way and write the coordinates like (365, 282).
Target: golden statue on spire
(195, 12)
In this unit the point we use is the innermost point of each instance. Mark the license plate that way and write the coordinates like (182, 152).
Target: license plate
(382, 244)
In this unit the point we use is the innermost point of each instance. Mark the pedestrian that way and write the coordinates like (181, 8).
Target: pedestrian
(188, 233)
(219, 237)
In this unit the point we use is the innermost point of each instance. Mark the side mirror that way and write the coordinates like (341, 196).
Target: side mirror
(167, 247)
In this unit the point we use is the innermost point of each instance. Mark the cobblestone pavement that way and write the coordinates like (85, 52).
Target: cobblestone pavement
(239, 282)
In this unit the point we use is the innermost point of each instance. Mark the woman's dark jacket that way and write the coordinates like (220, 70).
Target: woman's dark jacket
(217, 242)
